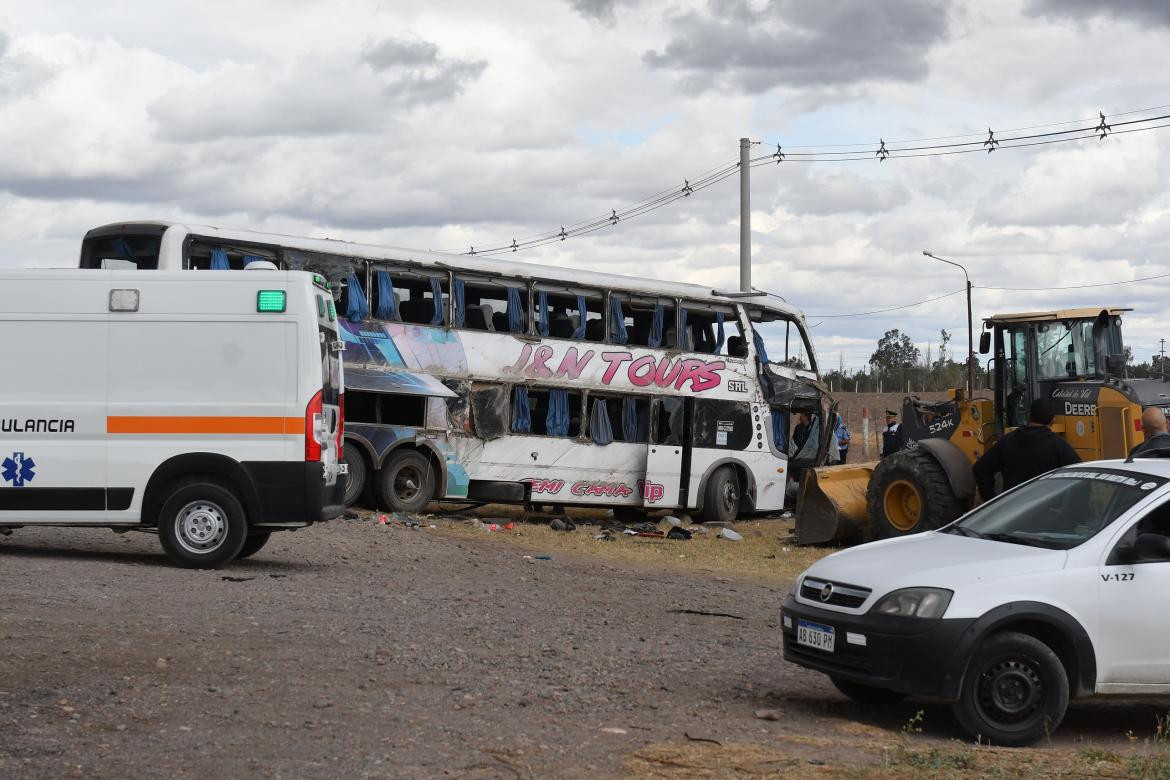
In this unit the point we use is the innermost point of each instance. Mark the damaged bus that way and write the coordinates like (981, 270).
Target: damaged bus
(480, 379)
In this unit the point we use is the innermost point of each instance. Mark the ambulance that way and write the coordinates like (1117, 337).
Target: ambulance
(206, 408)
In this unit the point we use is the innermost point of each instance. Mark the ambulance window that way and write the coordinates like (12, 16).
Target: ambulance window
(330, 368)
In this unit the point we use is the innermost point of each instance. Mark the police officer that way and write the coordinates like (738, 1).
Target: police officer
(893, 437)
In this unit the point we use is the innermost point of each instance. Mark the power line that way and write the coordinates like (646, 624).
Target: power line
(1075, 286)
(892, 308)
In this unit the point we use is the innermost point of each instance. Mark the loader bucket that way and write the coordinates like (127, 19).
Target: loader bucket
(830, 506)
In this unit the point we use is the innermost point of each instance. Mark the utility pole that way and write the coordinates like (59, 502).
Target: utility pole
(745, 217)
(1162, 365)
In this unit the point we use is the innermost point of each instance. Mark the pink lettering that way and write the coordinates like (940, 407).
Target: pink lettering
(571, 366)
(637, 376)
(539, 368)
(615, 360)
(523, 361)
(708, 376)
(664, 378)
(598, 488)
(652, 492)
(546, 485)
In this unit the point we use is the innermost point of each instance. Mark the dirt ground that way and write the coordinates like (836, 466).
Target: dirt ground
(355, 649)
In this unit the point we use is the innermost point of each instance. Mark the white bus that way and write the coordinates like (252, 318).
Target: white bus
(486, 380)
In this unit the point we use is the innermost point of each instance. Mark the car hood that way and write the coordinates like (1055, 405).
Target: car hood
(932, 559)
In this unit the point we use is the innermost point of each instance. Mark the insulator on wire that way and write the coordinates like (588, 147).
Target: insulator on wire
(472, 252)
(687, 189)
(990, 143)
(514, 247)
(882, 152)
(563, 234)
(779, 155)
(613, 217)
(1102, 128)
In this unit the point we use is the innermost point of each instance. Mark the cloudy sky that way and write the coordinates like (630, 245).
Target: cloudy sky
(443, 125)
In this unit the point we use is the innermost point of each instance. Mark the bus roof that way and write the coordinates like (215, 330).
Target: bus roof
(471, 263)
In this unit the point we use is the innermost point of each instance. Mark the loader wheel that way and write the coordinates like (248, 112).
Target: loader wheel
(909, 493)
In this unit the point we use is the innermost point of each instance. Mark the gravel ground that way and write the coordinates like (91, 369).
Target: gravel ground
(358, 650)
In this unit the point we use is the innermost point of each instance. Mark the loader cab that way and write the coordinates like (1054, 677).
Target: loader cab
(1049, 354)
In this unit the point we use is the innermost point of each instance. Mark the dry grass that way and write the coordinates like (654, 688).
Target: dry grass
(764, 554)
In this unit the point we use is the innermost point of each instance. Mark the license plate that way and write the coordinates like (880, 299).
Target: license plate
(815, 635)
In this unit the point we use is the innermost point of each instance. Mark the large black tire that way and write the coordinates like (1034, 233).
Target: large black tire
(867, 694)
(1015, 691)
(909, 493)
(253, 544)
(721, 496)
(406, 482)
(202, 525)
(357, 476)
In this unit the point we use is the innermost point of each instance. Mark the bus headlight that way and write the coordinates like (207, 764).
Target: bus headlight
(915, 602)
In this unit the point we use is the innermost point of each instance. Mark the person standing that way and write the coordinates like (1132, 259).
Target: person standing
(1026, 452)
(893, 437)
(801, 431)
(843, 437)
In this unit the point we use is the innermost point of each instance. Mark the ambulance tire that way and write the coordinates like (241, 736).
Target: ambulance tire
(721, 496)
(357, 476)
(406, 482)
(202, 525)
(253, 544)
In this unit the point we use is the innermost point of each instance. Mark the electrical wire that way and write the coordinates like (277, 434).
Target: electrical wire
(1075, 286)
(883, 311)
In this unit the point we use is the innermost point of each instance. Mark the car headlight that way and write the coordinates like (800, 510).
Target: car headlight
(795, 585)
(915, 602)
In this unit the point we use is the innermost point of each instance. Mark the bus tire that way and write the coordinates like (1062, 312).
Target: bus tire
(406, 482)
(1015, 691)
(909, 493)
(202, 525)
(253, 544)
(357, 475)
(721, 496)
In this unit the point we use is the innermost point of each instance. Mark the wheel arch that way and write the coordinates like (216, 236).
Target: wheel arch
(954, 464)
(194, 464)
(743, 474)
(428, 449)
(1056, 628)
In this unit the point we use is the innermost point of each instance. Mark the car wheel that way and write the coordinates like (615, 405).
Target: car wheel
(1015, 691)
(406, 481)
(909, 493)
(721, 497)
(356, 476)
(253, 544)
(202, 525)
(867, 694)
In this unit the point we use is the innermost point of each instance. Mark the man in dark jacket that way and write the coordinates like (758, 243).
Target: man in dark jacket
(1026, 452)
(893, 437)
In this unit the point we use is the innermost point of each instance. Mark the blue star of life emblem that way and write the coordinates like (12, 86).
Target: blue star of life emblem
(18, 469)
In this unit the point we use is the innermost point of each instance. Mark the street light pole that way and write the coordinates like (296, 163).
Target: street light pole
(970, 333)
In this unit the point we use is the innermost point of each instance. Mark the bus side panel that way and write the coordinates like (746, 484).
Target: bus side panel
(52, 409)
(564, 470)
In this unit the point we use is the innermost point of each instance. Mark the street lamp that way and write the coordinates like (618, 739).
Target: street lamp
(970, 335)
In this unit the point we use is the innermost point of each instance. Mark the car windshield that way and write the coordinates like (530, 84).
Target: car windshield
(1060, 510)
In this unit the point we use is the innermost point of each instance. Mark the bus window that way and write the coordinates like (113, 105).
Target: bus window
(115, 252)
(668, 421)
(722, 424)
(784, 340)
(709, 328)
(489, 410)
(491, 305)
(415, 297)
(203, 255)
(642, 322)
(628, 417)
(559, 313)
(551, 412)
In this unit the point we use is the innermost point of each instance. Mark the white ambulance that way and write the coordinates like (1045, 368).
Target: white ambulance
(1052, 591)
(205, 407)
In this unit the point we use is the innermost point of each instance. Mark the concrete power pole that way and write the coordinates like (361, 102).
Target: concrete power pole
(745, 217)
(1162, 364)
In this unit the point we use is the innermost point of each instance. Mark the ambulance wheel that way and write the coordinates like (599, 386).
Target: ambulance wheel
(909, 493)
(253, 544)
(721, 496)
(1015, 691)
(356, 477)
(866, 694)
(202, 525)
(406, 481)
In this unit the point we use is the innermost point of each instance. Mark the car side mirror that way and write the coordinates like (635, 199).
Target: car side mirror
(1152, 547)
(984, 342)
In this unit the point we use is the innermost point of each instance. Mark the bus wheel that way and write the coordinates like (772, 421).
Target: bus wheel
(721, 497)
(202, 526)
(406, 481)
(253, 544)
(356, 476)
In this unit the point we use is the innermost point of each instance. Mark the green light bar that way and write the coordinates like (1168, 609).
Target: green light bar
(270, 300)
(332, 312)
(319, 281)
(321, 306)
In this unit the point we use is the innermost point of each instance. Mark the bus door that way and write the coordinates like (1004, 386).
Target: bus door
(668, 458)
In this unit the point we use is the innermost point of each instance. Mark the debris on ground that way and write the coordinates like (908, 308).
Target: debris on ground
(769, 714)
(562, 524)
(731, 536)
(677, 532)
(705, 613)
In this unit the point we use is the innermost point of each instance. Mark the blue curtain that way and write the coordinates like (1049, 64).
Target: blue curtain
(759, 342)
(515, 311)
(579, 331)
(251, 259)
(600, 428)
(630, 419)
(521, 414)
(541, 312)
(219, 260)
(358, 308)
(437, 295)
(122, 247)
(617, 320)
(719, 335)
(557, 420)
(460, 295)
(387, 304)
(778, 430)
(656, 327)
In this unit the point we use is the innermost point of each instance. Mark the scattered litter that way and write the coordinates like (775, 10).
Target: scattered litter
(686, 519)
(651, 534)
(786, 513)
(349, 514)
(507, 526)
(382, 519)
(678, 533)
(629, 532)
(237, 579)
(646, 527)
(702, 739)
(277, 576)
(697, 529)
(769, 714)
(603, 537)
(705, 614)
(562, 524)
(731, 536)
(613, 730)
(672, 521)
